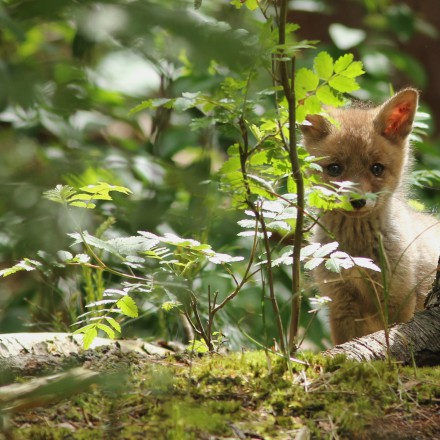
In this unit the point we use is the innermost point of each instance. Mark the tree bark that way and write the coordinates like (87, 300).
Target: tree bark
(32, 353)
(417, 341)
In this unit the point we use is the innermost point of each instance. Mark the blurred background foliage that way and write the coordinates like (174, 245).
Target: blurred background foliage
(70, 72)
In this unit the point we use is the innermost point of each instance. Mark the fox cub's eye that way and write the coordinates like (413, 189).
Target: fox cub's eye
(377, 169)
(334, 169)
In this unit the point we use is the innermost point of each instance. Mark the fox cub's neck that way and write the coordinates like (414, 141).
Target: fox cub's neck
(359, 236)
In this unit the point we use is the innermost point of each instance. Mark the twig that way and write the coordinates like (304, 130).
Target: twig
(289, 92)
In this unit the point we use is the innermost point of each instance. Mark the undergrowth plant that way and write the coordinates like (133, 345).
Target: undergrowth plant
(268, 176)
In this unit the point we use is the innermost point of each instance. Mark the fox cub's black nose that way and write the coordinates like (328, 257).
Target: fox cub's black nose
(358, 203)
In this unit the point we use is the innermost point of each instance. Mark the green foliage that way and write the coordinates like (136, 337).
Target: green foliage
(315, 254)
(68, 196)
(423, 178)
(325, 83)
(127, 307)
(250, 4)
(158, 259)
(25, 264)
(118, 303)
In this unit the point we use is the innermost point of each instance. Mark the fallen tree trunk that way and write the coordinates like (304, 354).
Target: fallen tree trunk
(31, 353)
(415, 341)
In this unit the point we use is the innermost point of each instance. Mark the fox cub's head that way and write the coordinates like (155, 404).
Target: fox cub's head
(368, 147)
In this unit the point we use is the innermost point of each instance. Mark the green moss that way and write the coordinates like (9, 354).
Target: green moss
(196, 398)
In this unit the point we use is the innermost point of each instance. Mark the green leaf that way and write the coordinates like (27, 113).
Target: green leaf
(100, 302)
(309, 250)
(187, 101)
(260, 158)
(132, 245)
(343, 62)
(142, 106)
(318, 200)
(300, 114)
(232, 164)
(366, 263)
(25, 264)
(417, 205)
(276, 207)
(218, 258)
(323, 65)
(285, 259)
(115, 324)
(314, 262)
(305, 81)
(81, 259)
(89, 336)
(95, 242)
(261, 187)
(326, 249)
(105, 188)
(422, 178)
(251, 4)
(128, 307)
(250, 224)
(88, 205)
(312, 105)
(344, 84)
(60, 194)
(89, 197)
(291, 185)
(170, 305)
(237, 3)
(67, 195)
(151, 103)
(328, 96)
(198, 345)
(279, 226)
(354, 70)
(333, 264)
(108, 330)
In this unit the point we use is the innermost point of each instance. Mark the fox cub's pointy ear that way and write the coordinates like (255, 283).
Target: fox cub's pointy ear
(395, 118)
(315, 127)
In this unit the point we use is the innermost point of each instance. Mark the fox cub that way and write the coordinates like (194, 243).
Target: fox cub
(370, 147)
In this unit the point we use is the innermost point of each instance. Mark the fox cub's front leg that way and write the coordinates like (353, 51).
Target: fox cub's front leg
(350, 317)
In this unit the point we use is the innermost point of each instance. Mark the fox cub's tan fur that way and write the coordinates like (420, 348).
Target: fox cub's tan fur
(370, 148)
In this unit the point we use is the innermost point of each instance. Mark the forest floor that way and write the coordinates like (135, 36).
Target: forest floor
(249, 395)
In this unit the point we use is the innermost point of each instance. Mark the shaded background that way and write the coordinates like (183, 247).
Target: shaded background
(401, 37)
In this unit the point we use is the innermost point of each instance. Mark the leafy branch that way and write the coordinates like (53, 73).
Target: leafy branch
(86, 199)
